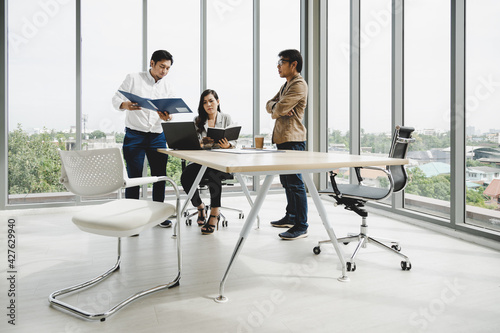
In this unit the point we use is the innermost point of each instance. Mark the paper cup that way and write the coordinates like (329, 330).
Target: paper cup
(259, 141)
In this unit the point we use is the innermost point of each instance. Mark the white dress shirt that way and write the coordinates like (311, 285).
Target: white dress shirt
(143, 85)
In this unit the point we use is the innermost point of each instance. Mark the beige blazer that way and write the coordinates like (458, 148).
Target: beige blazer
(292, 96)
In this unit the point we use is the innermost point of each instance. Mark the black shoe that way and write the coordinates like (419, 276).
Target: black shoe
(283, 223)
(293, 233)
(166, 224)
(208, 228)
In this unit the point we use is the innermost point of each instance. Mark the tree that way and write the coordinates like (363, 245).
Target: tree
(97, 135)
(34, 164)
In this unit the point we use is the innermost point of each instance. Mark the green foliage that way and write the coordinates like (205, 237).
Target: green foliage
(97, 135)
(119, 137)
(475, 163)
(336, 137)
(438, 187)
(34, 165)
(383, 181)
(381, 143)
(174, 169)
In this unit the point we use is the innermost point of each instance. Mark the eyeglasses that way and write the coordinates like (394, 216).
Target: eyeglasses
(281, 61)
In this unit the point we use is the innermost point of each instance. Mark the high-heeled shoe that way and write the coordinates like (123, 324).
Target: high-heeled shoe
(201, 219)
(208, 228)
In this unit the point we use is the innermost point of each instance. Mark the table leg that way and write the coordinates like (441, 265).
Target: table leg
(244, 232)
(326, 223)
(197, 181)
(247, 194)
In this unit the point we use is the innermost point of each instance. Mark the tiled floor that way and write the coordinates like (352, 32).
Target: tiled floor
(275, 286)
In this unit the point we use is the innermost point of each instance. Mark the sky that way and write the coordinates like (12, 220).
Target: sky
(42, 74)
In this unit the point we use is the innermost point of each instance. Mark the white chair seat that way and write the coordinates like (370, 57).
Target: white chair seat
(123, 218)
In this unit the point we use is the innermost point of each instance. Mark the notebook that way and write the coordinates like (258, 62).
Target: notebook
(230, 133)
(181, 135)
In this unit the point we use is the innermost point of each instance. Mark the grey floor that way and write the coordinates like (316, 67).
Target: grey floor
(275, 286)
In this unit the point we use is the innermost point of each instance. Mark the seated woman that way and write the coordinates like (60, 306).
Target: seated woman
(209, 115)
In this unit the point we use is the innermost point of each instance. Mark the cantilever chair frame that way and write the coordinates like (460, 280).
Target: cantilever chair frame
(355, 202)
(127, 182)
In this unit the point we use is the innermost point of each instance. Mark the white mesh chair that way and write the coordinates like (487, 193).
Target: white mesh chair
(98, 172)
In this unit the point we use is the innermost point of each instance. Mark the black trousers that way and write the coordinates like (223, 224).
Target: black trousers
(212, 177)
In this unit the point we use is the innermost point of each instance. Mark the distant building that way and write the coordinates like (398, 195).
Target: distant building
(487, 155)
(482, 174)
(434, 169)
(493, 191)
(433, 155)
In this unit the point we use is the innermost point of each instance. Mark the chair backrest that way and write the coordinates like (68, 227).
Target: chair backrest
(400, 141)
(92, 172)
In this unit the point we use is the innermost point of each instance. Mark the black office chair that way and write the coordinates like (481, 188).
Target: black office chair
(203, 188)
(354, 197)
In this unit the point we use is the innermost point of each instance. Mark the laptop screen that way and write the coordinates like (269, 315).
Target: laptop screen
(181, 135)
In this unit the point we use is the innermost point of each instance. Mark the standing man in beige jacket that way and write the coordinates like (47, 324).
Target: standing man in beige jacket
(289, 133)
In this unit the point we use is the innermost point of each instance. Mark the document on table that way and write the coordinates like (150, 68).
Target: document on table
(247, 151)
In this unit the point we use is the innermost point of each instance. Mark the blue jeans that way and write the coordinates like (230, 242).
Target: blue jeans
(137, 145)
(296, 209)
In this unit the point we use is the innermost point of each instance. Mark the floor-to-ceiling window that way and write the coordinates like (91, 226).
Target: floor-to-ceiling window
(230, 58)
(375, 78)
(110, 50)
(482, 174)
(338, 80)
(375, 83)
(277, 33)
(427, 104)
(175, 26)
(41, 95)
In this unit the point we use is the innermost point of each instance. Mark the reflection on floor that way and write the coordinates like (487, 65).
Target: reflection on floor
(275, 286)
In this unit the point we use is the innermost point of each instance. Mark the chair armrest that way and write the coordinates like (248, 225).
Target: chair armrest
(130, 182)
(334, 183)
(387, 174)
(358, 174)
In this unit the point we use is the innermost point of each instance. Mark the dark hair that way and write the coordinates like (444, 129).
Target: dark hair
(162, 55)
(202, 118)
(292, 55)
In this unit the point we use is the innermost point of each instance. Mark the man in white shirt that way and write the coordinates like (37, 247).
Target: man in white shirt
(143, 131)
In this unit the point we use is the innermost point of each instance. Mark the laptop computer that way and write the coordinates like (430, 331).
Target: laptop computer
(181, 135)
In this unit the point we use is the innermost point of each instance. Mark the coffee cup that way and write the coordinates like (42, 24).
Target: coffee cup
(259, 141)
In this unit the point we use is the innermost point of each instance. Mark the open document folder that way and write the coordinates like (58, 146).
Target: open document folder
(170, 105)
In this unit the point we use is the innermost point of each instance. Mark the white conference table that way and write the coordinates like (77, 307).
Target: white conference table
(270, 164)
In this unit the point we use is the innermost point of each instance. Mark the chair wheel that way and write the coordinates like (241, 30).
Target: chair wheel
(186, 214)
(316, 250)
(224, 223)
(405, 265)
(241, 216)
(346, 243)
(396, 247)
(351, 267)
(188, 222)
